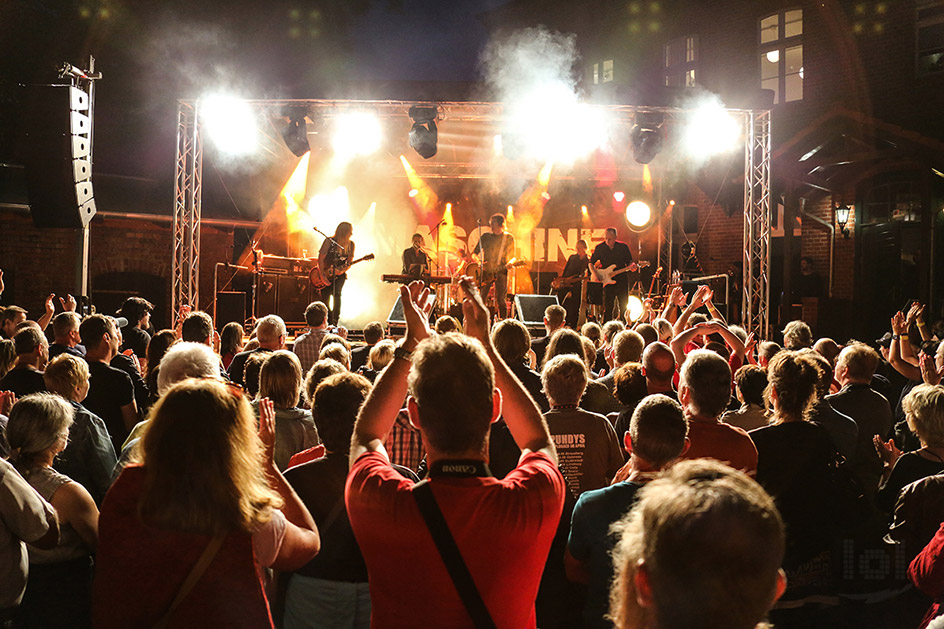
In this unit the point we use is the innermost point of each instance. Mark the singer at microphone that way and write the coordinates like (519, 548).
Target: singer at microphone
(415, 260)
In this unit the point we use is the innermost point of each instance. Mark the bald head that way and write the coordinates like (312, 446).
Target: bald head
(828, 349)
(658, 365)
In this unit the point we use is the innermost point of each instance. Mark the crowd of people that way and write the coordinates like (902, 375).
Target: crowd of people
(668, 472)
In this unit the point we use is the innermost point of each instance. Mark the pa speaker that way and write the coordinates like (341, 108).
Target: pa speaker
(56, 151)
(230, 306)
(530, 308)
(396, 316)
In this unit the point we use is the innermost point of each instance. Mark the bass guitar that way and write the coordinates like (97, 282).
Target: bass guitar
(322, 278)
(605, 276)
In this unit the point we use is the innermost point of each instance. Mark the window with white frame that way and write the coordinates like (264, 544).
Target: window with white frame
(607, 71)
(930, 39)
(680, 57)
(781, 54)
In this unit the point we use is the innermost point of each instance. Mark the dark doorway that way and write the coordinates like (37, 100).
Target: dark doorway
(109, 291)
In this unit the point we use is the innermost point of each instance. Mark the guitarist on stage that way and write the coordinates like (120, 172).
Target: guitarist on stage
(335, 259)
(494, 249)
(612, 252)
(568, 285)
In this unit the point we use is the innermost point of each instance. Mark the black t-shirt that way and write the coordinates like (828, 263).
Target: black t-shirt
(56, 349)
(793, 464)
(141, 394)
(109, 390)
(575, 267)
(238, 366)
(23, 381)
(136, 340)
(910, 467)
(413, 260)
(495, 249)
(619, 255)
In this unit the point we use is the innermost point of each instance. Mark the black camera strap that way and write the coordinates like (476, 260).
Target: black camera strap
(452, 558)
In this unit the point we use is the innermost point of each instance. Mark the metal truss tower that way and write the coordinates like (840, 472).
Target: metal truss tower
(188, 188)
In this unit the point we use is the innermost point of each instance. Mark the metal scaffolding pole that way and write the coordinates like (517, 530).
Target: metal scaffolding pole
(755, 307)
(187, 202)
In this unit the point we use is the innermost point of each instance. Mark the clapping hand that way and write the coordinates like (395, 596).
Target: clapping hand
(7, 400)
(475, 314)
(929, 372)
(267, 428)
(887, 451)
(68, 304)
(417, 304)
(898, 323)
(50, 305)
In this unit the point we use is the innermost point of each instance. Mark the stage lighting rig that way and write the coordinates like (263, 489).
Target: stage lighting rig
(295, 134)
(424, 135)
(647, 137)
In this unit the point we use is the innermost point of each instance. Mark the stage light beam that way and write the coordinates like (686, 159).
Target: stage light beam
(711, 130)
(634, 307)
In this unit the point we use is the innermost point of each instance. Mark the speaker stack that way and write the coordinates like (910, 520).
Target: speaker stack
(57, 154)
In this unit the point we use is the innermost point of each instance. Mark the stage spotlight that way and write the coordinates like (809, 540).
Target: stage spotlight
(356, 133)
(424, 135)
(413, 192)
(711, 130)
(618, 196)
(584, 210)
(635, 307)
(646, 137)
(295, 135)
(229, 122)
(638, 214)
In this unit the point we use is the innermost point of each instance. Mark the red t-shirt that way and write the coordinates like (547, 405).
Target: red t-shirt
(503, 529)
(726, 443)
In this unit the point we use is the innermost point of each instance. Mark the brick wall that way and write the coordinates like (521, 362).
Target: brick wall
(37, 261)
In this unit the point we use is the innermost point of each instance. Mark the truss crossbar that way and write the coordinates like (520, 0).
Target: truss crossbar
(756, 248)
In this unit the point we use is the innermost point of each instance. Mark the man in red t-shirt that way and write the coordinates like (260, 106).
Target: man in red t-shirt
(705, 391)
(503, 528)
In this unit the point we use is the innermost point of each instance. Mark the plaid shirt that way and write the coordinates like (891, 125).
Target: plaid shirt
(403, 444)
(307, 346)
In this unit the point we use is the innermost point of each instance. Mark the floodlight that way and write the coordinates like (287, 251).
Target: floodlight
(638, 214)
(229, 122)
(634, 307)
(618, 196)
(424, 134)
(711, 130)
(356, 133)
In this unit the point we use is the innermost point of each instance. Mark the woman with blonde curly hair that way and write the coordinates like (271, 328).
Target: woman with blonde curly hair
(924, 410)
(186, 532)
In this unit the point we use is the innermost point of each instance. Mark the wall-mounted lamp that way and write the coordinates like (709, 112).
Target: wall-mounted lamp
(842, 217)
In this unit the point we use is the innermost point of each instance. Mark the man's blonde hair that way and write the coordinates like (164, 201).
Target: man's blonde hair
(65, 373)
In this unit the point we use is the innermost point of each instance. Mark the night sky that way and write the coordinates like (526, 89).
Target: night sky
(151, 54)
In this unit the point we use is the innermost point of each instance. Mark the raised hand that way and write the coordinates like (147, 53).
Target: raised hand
(886, 450)
(68, 304)
(417, 305)
(475, 314)
(898, 323)
(50, 305)
(7, 400)
(929, 372)
(267, 428)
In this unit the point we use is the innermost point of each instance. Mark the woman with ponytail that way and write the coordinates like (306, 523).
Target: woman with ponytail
(796, 461)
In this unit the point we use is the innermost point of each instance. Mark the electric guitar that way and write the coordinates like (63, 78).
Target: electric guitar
(488, 276)
(605, 276)
(322, 278)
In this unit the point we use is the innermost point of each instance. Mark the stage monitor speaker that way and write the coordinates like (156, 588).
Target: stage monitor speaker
(530, 308)
(57, 156)
(267, 291)
(396, 316)
(230, 306)
(294, 297)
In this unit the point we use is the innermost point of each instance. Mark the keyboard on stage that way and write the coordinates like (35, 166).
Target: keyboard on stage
(406, 279)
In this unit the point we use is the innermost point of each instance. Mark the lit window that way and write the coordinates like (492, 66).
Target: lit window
(607, 70)
(930, 40)
(596, 73)
(681, 57)
(781, 55)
